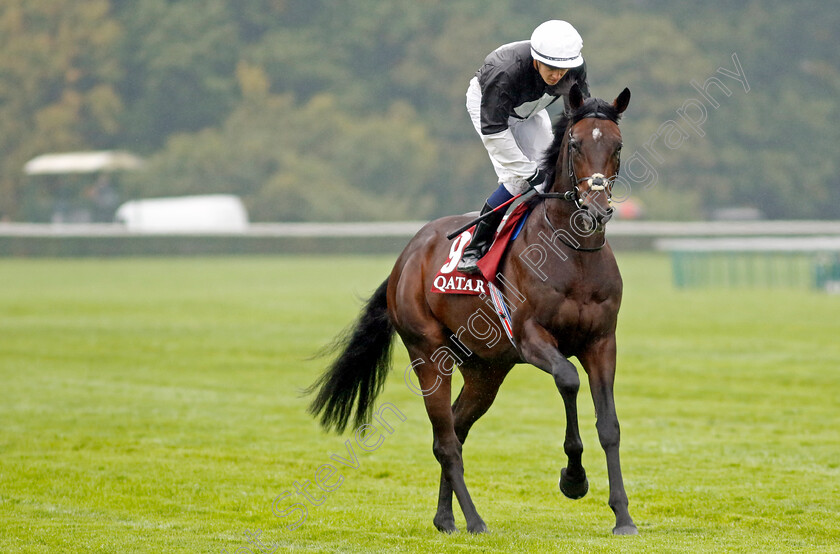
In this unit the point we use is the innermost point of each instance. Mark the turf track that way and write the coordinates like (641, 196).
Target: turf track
(152, 405)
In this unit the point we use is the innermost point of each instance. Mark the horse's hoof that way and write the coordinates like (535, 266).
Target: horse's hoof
(479, 527)
(445, 525)
(626, 530)
(573, 489)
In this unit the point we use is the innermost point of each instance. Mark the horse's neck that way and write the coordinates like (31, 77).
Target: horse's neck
(583, 267)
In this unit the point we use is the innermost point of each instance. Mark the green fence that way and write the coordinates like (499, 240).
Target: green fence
(742, 269)
(756, 262)
(827, 272)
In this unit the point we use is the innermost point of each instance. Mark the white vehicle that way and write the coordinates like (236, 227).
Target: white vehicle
(214, 213)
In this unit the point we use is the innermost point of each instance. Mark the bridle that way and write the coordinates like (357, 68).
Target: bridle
(597, 183)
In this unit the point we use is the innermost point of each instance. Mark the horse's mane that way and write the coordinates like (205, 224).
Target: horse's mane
(592, 107)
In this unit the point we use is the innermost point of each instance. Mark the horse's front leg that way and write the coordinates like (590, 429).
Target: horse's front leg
(539, 348)
(599, 363)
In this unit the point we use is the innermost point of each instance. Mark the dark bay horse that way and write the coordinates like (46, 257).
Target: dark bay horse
(564, 289)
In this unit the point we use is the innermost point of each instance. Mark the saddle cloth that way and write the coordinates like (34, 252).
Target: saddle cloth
(451, 281)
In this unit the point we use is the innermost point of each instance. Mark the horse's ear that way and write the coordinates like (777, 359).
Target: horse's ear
(575, 97)
(623, 99)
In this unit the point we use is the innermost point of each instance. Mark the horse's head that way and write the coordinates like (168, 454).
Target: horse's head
(586, 155)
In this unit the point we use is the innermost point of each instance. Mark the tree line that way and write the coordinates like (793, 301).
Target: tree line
(317, 110)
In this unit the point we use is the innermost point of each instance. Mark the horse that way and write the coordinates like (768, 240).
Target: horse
(562, 271)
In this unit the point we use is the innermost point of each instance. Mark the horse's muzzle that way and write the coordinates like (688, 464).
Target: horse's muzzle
(603, 217)
(599, 190)
(597, 215)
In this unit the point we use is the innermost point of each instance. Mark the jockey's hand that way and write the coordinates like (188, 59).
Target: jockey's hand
(537, 178)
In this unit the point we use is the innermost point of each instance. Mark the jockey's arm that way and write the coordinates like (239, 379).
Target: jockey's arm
(498, 139)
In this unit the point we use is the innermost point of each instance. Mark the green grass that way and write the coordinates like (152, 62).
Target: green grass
(154, 406)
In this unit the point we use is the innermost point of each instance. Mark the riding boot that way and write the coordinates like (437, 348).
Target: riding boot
(485, 231)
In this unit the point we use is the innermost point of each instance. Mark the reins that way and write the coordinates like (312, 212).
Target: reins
(597, 183)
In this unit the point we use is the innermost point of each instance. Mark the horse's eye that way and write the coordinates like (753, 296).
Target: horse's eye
(574, 145)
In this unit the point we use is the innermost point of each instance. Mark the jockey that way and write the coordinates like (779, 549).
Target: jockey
(506, 101)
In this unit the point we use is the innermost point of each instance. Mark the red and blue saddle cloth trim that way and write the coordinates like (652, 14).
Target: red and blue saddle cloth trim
(502, 311)
(451, 281)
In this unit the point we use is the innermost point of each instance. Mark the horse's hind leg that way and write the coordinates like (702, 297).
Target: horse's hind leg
(436, 389)
(480, 388)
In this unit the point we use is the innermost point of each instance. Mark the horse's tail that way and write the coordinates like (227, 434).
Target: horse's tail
(359, 372)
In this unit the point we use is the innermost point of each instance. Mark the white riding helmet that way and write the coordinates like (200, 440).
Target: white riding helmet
(557, 43)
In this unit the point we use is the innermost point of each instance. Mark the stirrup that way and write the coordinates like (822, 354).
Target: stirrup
(469, 261)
